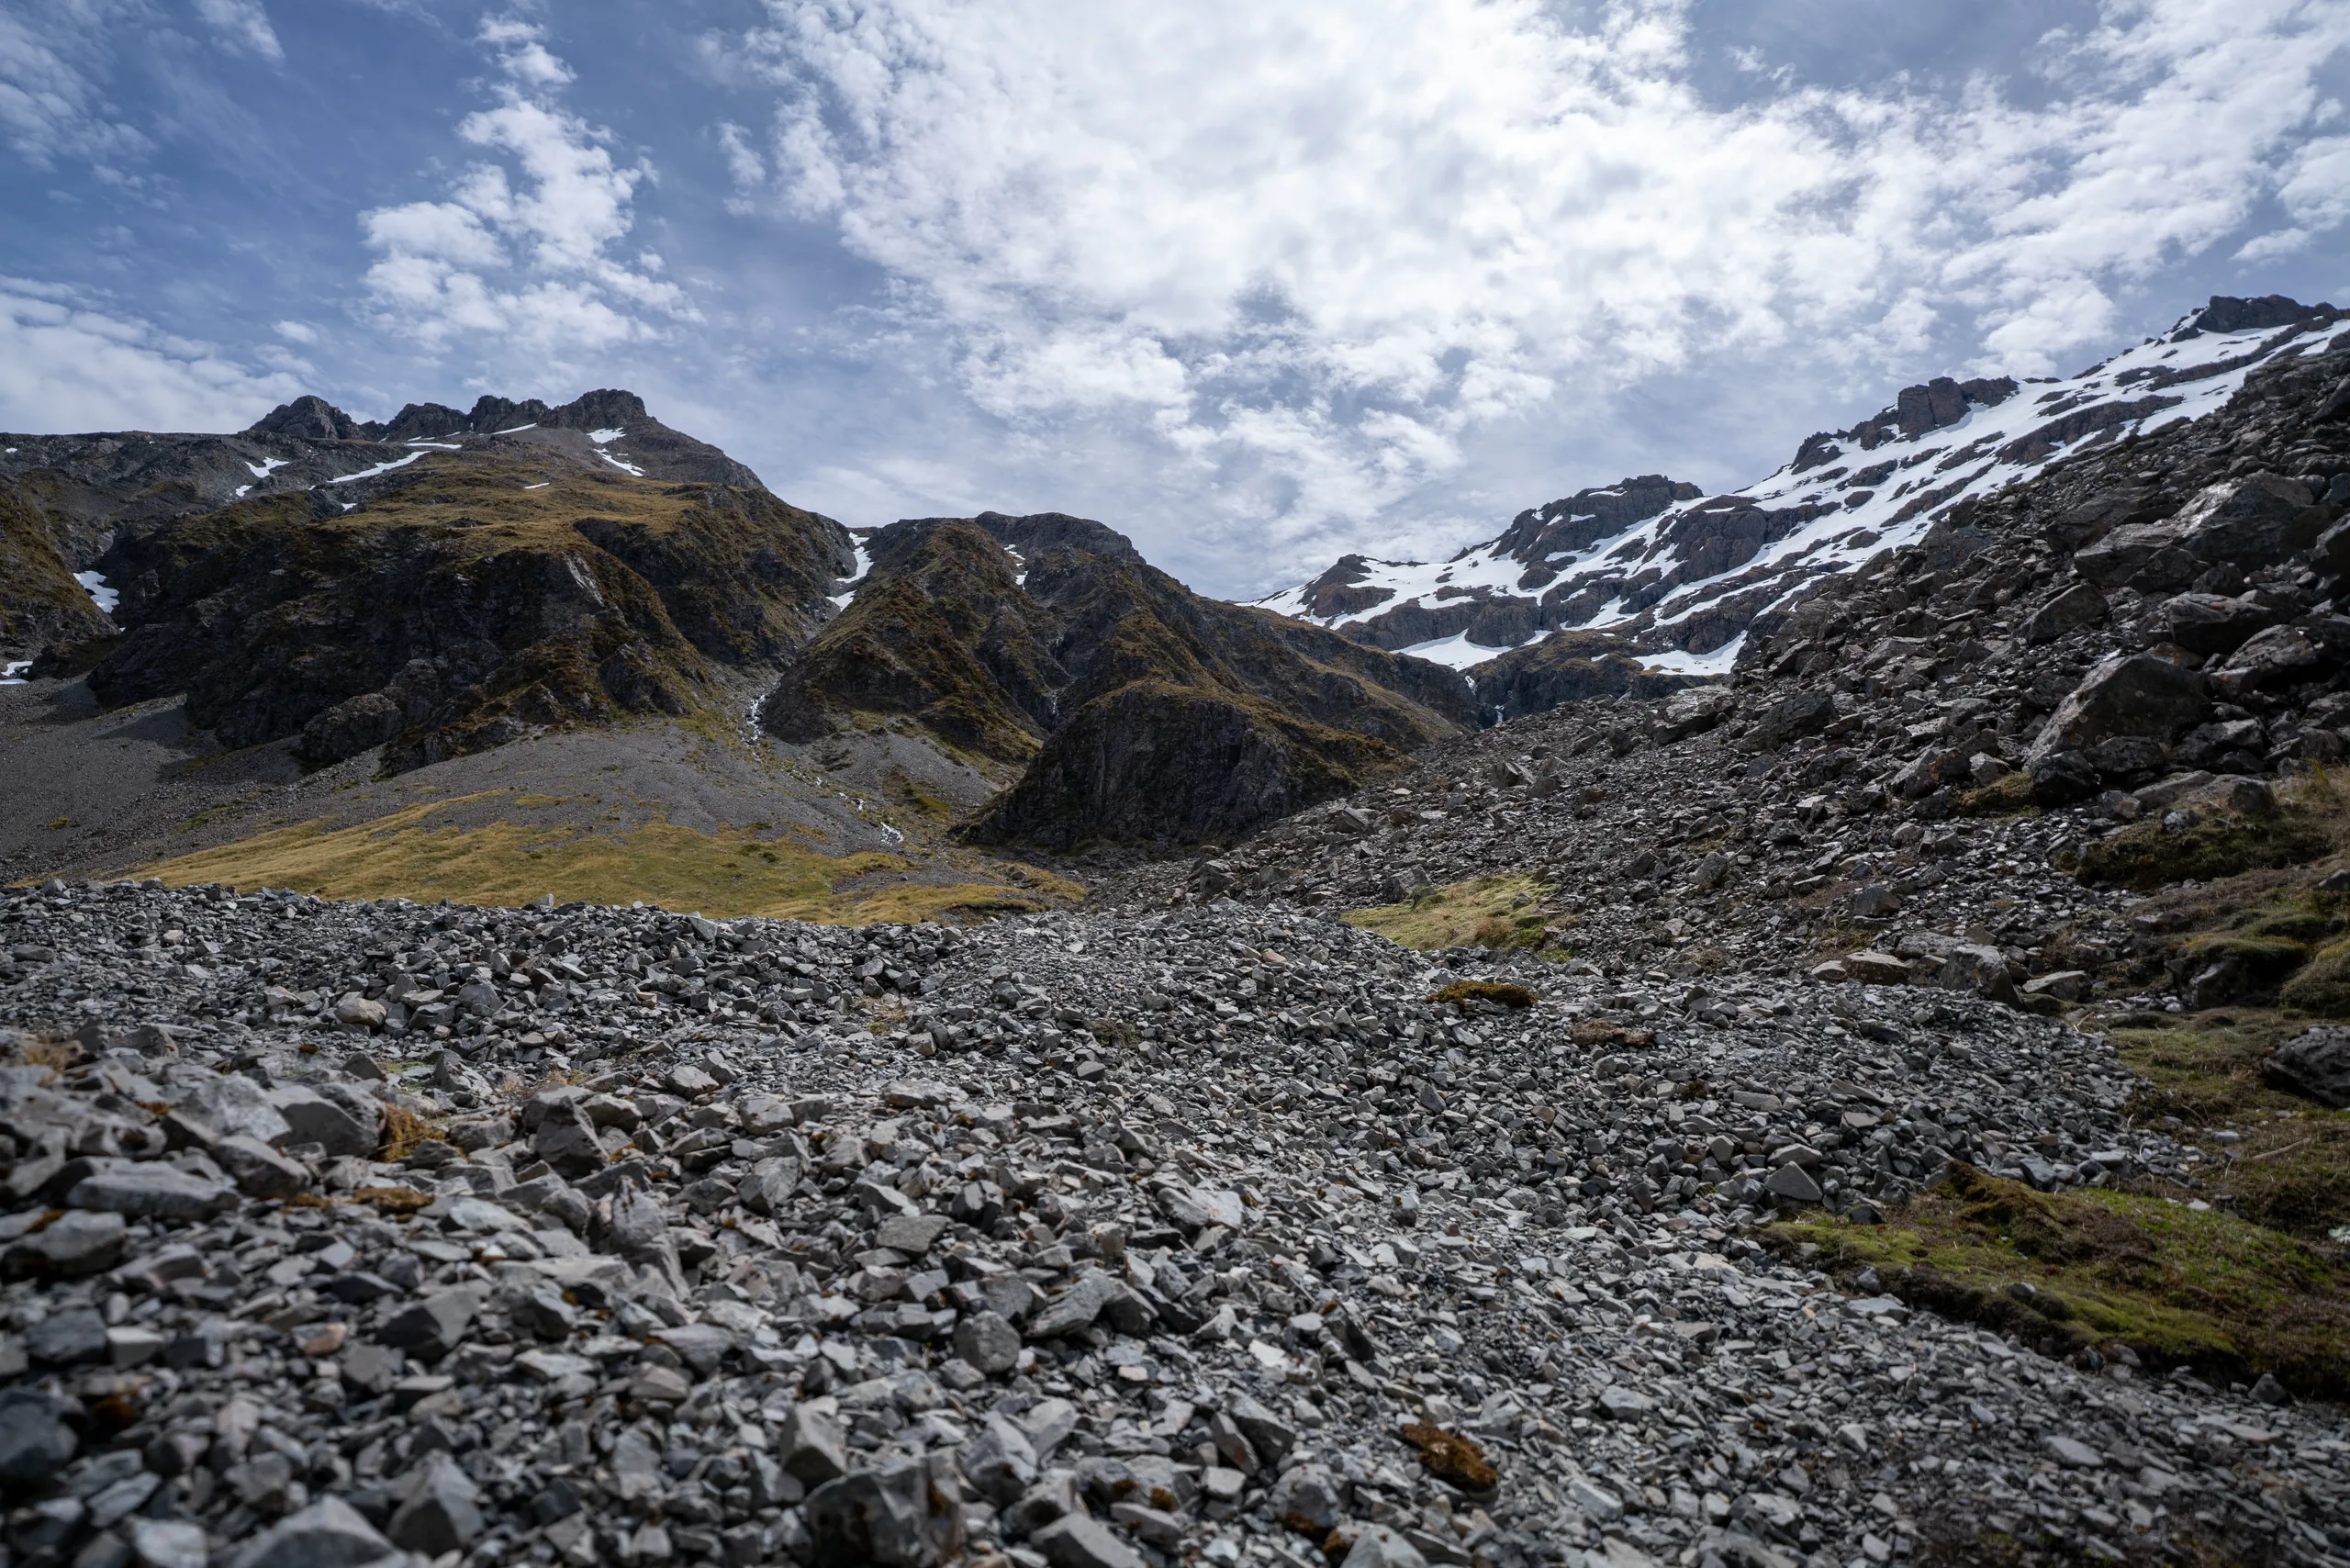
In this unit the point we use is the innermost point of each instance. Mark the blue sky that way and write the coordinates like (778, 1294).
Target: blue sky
(1258, 284)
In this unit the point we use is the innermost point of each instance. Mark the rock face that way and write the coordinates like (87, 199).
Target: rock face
(464, 599)
(1650, 567)
(1134, 709)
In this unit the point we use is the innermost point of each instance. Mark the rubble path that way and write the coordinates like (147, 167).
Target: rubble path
(1085, 1239)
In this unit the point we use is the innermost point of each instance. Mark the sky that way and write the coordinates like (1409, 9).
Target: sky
(1257, 284)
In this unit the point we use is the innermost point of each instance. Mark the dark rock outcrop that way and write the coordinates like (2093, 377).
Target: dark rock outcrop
(1137, 709)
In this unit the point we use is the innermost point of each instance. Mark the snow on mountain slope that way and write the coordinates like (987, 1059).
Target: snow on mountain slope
(1678, 575)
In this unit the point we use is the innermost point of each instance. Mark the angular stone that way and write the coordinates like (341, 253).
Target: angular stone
(2132, 695)
(2315, 1063)
(313, 1118)
(64, 1337)
(329, 1533)
(988, 1342)
(1309, 1499)
(913, 1235)
(999, 1461)
(1271, 1437)
(1792, 1181)
(167, 1543)
(2064, 985)
(34, 1441)
(2074, 1452)
(1380, 1547)
(1076, 1541)
(152, 1190)
(259, 1170)
(443, 1512)
(813, 1446)
(430, 1328)
(2078, 606)
(566, 1140)
(1075, 1307)
(219, 1105)
(904, 1517)
(81, 1242)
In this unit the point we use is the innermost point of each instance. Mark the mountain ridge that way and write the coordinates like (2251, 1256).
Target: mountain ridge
(1673, 585)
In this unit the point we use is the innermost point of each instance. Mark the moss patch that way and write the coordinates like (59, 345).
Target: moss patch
(2311, 822)
(508, 864)
(1491, 912)
(2005, 796)
(2177, 1286)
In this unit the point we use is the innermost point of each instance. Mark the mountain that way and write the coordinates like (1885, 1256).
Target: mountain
(398, 595)
(1669, 580)
(313, 578)
(1132, 708)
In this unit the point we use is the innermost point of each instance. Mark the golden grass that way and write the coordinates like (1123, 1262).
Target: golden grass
(1492, 912)
(508, 864)
(484, 494)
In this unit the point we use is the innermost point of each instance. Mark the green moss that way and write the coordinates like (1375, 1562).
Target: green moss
(2005, 796)
(1491, 912)
(2323, 988)
(2144, 855)
(2177, 1286)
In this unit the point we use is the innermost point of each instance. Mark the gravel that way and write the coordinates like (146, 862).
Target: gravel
(1135, 1236)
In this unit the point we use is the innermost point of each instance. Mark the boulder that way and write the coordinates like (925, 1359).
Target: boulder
(443, 1511)
(2078, 606)
(34, 1441)
(346, 1128)
(2126, 694)
(73, 1244)
(2210, 625)
(152, 1190)
(433, 1327)
(2285, 655)
(1797, 714)
(329, 1533)
(1982, 970)
(908, 1516)
(2247, 523)
(2316, 1064)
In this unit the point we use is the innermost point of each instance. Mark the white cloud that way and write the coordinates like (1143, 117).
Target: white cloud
(1312, 256)
(244, 25)
(70, 362)
(519, 253)
(297, 332)
(52, 97)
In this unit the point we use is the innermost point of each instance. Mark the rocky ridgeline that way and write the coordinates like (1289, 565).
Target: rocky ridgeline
(594, 1236)
(1920, 756)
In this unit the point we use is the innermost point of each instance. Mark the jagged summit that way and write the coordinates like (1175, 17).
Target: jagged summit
(1673, 578)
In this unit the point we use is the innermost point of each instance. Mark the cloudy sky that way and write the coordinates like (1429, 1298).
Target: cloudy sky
(1258, 283)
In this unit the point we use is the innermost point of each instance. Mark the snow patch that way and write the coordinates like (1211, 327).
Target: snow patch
(509, 430)
(540, 486)
(1676, 662)
(261, 470)
(14, 674)
(95, 584)
(615, 463)
(600, 437)
(864, 568)
(436, 445)
(379, 468)
(1456, 652)
(241, 489)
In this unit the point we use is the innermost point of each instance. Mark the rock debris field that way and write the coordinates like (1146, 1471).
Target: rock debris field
(341, 1234)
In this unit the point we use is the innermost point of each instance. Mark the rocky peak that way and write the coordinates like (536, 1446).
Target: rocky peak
(1674, 579)
(307, 418)
(2228, 314)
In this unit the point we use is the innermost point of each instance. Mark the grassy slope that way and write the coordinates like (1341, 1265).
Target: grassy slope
(2177, 1286)
(1491, 912)
(407, 855)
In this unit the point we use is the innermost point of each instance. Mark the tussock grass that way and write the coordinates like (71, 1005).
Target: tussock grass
(2311, 823)
(406, 855)
(1491, 912)
(2178, 1287)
